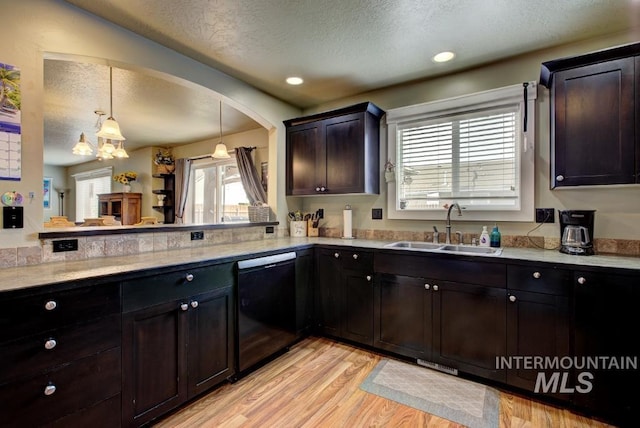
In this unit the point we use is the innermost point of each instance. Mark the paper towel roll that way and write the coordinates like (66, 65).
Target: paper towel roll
(347, 219)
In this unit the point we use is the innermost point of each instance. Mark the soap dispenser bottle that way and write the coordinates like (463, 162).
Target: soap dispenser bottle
(484, 237)
(495, 237)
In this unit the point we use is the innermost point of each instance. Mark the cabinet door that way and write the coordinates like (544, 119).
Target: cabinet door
(402, 320)
(306, 166)
(304, 292)
(154, 362)
(593, 125)
(210, 349)
(469, 327)
(537, 325)
(345, 154)
(358, 306)
(329, 292)
(606, 324)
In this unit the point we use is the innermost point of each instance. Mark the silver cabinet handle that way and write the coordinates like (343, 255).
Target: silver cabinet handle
(194, 304)
(189, 277)
(50, 344)
(427, 286)
(368, 277)
(51, 305)
(559, 177)
(49, 389)
(336, 255)
(184, 306)
(537, 275)
(512, 298)
(322, 188)
(582, 280)
(318, 189)
(435, 288)
(355, 257)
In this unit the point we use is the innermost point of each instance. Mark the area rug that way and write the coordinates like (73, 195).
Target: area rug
(449, 397)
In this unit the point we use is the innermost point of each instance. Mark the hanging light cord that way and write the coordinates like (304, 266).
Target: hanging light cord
(111, 92)
(221, 121)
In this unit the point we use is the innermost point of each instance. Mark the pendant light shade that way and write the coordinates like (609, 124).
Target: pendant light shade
(221, 150)
(82, 147)
(120, 152)
(110, 128)
(102, 154)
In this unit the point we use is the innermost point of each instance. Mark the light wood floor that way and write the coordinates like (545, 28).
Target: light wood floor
(316, 384)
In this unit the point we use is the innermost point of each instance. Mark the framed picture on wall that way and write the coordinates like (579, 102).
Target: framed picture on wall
(46, 196)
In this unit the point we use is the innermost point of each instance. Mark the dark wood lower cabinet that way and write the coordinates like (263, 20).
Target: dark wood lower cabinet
(305, 286)
(175, 351)
(403, 316)
(469, 327)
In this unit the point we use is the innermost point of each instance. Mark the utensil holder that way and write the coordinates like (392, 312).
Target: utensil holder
(298, 229)
(311, 231)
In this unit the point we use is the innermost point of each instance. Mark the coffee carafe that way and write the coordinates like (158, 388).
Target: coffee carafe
(576, 232)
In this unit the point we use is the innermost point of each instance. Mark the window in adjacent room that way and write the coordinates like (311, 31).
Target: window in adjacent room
(216, 194)
(88, 186)
(473, 150)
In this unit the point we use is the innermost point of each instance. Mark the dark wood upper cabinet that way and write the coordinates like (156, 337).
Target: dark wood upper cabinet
(595, 136)
(335, 152)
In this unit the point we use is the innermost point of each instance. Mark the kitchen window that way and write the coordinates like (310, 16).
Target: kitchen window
(216, 194)
(89, 185)
(474, 150)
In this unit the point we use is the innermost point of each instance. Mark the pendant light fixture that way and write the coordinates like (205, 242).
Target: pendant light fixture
(82, 147)
(110, 129)
(221, 150)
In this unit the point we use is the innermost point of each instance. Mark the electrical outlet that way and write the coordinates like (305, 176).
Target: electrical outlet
(269, 229)
(545, 215)
(197, 236)
(376, 213)
(65, 245)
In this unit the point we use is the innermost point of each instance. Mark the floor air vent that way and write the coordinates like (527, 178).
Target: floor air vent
(436, 366)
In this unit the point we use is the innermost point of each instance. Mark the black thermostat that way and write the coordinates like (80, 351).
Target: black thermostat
(12, 217)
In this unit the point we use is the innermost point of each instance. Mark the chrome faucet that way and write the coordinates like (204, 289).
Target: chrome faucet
(435, 235)
(448, 226)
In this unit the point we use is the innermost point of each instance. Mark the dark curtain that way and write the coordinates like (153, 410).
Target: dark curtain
(249, 176)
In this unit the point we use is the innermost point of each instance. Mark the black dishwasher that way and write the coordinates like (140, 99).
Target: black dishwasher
(266, 307)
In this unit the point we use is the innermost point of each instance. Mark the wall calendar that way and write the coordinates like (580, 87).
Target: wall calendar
(10, 129)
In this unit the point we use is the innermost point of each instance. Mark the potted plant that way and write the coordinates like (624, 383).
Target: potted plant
(125, 178)
(389, 171)
(165, 162)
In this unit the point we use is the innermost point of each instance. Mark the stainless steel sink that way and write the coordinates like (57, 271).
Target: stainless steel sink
(469, 249)
(445, 248)
(414, 245)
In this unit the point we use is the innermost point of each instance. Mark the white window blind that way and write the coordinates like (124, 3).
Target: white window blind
(474, 150)
(88, 186)
(470, 158)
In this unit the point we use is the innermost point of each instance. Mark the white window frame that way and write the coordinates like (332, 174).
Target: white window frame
(510, 95)
(89, 175)
(202, 164)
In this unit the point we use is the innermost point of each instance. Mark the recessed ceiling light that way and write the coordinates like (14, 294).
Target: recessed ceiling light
(295, 80)
(444, 56)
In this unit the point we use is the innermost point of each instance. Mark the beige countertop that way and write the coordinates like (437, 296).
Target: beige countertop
(50, 273)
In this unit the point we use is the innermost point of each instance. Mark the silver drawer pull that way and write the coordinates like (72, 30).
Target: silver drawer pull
(194, 304)
(189, 277)
(355, 257)
(512, 298)
(336, 255)
(49, 389)
(368, 277)
(435, 288)
(427, 286)
(184, 306)
(582, 280)
(560, 177)
(50, 305)
(537, 275)
(50, 344)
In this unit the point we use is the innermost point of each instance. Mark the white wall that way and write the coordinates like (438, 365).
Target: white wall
(618, 208)
(34, 29)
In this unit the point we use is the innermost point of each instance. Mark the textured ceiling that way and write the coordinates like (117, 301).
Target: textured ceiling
(340, 48)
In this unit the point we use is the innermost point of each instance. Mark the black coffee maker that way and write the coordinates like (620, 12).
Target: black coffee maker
(576, 232)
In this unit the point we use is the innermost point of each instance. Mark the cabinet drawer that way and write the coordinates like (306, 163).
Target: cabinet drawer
(539, 280)
(104, 414)
(440, 268)
(352, 259)
(30, 355)
(77, 386)
(29, 315)
(153, 290)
